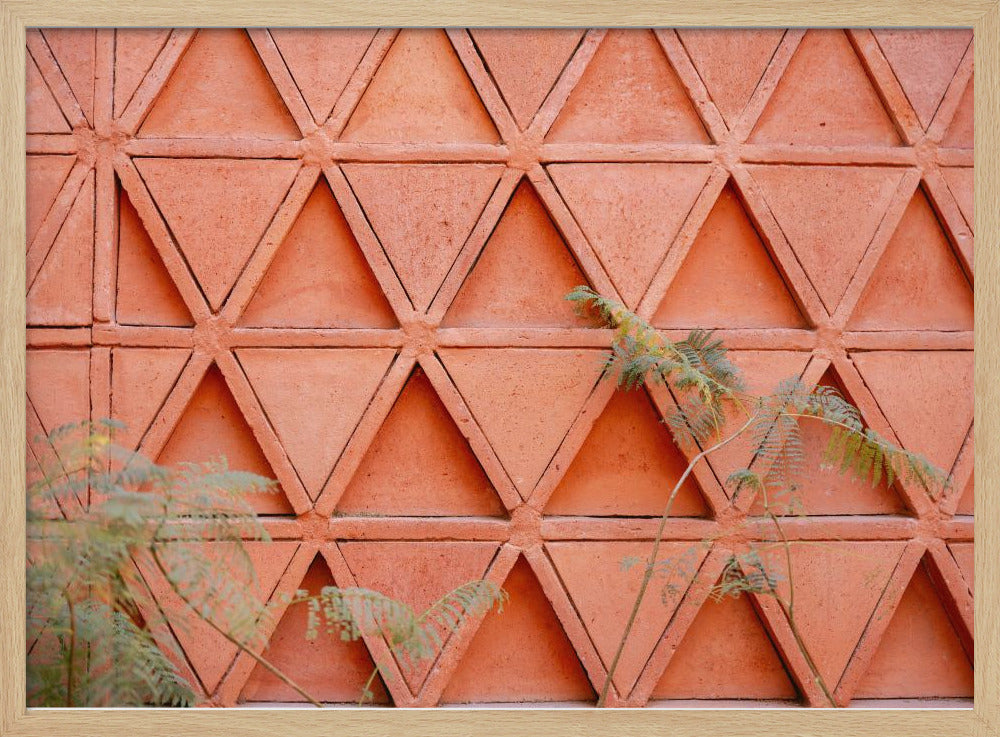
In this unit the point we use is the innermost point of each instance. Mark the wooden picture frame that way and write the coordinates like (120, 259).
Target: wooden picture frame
(15, 719)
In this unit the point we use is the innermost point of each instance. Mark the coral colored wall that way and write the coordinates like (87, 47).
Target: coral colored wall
(338, 258)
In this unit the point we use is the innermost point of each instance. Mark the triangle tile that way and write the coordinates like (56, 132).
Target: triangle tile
(58, 385)
(829, 215)
(847, 578)
(825, 98)
(208, 652)
(525, 63)
(314, 398)
(630, 213)
(825, 491)
(220, 88)
(961, 184)
(627, 466)
(924, 61)
(213, 426)
(331, 670)
(62, 292)
(322, 61)
(45, 177)
(75, 50)
(728, 279)
(522, 655)
(146, 293)
(41, 109)
(965, 556)
(919, 655)
(319, 277)
(141, 379)
(741, 664)
(967, 503)
(421, 94)
(603, 593)
(918, 283)
(730, 62)
(432, 570)
(423, 214)
(525, 400)
(217, 209)
(135, 51)
(522, 276)
(960, 132)
(629, 93)
(419, 464)
(925, 395)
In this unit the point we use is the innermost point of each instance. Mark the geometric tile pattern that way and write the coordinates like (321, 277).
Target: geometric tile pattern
(339, 256)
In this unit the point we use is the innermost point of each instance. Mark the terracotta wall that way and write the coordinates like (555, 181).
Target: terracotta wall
(338, 258)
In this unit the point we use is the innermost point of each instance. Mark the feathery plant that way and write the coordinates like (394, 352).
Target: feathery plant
(96, 509)
(713, 409)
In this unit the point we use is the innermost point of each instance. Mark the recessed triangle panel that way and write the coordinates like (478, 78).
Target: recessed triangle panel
(837, 587)
(432, 570)
(209, 653)
(522, 275)
(965, 556)
(919, 655)
(45, 177)
(58, 385)
(322, 61)
(925, 395)
(924, 61)
(629, 93)
(211, 427)
(822, 490)
(419, 464)
(520, 655)
(41, 109)
(630, 213)
(525, 63)
(62, 292)
(135, 51)
(825, 98)
(604, 594)
(141, 379)
(726, 654)
(421, 94)
(329, 669)
(960, 131)
(146, 293)
(220, 88)
(730, 62)
(75, 50)
(422, 214)
(960, 182)
(967, 503)
(525, 400)
(314, 398)
(829, 215)
(627, 467)
(217, 209)
(319, 277)
(918, 283)
(728, 279)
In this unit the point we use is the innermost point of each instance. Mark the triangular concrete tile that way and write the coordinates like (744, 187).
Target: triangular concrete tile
(419, 464)
(960, 132)
(217, 209)
(525, 63)
(965, 556)
(45, 177)
(135, 51)
(523, 274)
(319, 277)
(421, 93)
(825, 98)
(423, 214)
(58, 386)
(629, 93)
(728, 279)
(43, 114)
(918, 283)
(75, 50)
(314, 398)
(141, 379)
(220, 88)
(960, 182)
(967, 503)
(630, 213)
